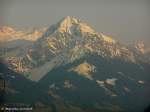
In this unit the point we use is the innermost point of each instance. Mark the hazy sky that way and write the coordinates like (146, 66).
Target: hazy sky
(125, 20)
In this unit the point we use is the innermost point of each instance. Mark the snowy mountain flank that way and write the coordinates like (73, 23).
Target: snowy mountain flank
(36, 53)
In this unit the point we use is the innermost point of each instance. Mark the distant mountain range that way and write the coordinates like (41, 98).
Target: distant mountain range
(80, 69)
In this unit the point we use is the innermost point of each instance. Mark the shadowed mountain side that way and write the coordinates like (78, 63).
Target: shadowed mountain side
(26, 90)
(127, 93)
(21, 92)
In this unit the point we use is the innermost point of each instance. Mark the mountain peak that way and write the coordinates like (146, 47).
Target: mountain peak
(70, 24)
(66, 23)
(70, 19)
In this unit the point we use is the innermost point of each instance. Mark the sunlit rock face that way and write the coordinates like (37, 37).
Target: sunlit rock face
(140, 46)
(84, 69)
(141, 51)
(9, 34)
